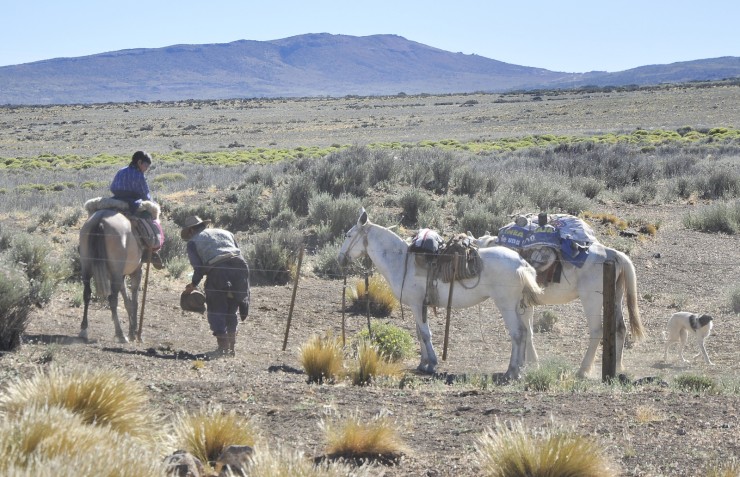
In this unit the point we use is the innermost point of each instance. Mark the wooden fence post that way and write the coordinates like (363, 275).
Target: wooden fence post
(344, 300)
(292, 299)
(449, 306)
(609, 357)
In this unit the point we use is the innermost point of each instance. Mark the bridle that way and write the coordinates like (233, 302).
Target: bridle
(362, 233)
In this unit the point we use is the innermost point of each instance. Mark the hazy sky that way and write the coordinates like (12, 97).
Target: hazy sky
(564, 35)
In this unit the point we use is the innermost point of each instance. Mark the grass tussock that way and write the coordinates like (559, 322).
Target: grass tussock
(359, 438)
(647, 414)
(100, 397)
(283, 462)
(371, 364)
(695, 383)
(322, 358)
(378, 293)
(206, 433)
(53, 441)
(516, 452)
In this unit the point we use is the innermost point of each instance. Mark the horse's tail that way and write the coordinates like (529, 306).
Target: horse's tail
(96, 262)
(528, 278)
(627, 278)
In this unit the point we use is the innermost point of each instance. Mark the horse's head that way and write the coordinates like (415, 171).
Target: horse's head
(355, 240)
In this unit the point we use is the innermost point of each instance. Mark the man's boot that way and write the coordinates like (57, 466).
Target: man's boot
(223, 347)
(231, 337)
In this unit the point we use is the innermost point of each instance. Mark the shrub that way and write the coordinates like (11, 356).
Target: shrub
(719, 217)
(379, 295)
(272, 256)
(173, 246)
(207, 432)
(515, 452)
(390, 340)
(326, 263)
(694, 383)
(43, 271)
(301, 189)
(15, 306)
(336, 216)
(248, 212)
(321, 358)
(468, 181)
(413, 202)
(735, 300)
(546, 322)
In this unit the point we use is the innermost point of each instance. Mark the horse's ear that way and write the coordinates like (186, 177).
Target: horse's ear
(363, 217)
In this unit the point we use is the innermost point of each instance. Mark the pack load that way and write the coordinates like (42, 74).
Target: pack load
(542, 238)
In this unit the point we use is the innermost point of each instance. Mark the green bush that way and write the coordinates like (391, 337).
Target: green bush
(335, 215)
(43, 271)
(390, 340)
(735, 300)
(173, 246)
(413, 202)
(719, 217)
(272, 256)
(248, 212)
(694, 383)
(300, 190)
(468, 181)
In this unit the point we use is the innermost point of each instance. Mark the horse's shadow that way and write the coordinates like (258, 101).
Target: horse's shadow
(179, 355)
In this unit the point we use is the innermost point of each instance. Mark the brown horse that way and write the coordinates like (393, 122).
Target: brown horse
(109, 252)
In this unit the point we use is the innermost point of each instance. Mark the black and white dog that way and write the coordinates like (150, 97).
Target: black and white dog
(683, 323)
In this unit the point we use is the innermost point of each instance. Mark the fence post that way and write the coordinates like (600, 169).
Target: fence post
(367, 303)
(344, 301)
(609, 358)
(449, 306)
(292, 299)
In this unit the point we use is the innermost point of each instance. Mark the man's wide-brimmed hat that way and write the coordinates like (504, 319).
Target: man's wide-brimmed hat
(193, 301)
(190, 222)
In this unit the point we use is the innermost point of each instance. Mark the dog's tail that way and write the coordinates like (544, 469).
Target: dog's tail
(627, 278)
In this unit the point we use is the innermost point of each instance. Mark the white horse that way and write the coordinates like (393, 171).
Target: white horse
(504, 277)
(587, 283)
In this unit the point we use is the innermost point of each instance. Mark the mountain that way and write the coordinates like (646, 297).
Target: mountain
(305, 66)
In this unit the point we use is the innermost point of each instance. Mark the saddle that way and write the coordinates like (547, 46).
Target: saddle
(457, 259)
(145, 223)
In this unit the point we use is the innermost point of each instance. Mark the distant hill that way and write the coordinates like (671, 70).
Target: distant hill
(306, 66)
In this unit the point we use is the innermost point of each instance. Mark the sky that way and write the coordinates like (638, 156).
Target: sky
(566, 35)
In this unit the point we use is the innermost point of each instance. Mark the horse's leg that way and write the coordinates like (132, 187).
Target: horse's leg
(115, 289)
(86, 295)
(593, 310)
(132, 302)
(424, 334)
(530, 356)
(517, 333)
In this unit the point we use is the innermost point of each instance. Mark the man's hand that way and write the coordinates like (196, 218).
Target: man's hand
(189, 288)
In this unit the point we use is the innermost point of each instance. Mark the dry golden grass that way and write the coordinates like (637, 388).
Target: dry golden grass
(322, 358)
(53, 441)
(382, 300)
(370, 364)
(647, 414)
(284, 462)
(100, 397)
(206, 433)
(516, 452)
(357, 438)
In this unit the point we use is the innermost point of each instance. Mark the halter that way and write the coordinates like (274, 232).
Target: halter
(361, 233)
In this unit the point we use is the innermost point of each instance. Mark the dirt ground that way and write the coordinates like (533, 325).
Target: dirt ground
(439, 421)
(438, 417)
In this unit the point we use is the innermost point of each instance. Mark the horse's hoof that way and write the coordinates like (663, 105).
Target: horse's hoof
(122, 339)
(83, 335)
(425, 368)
